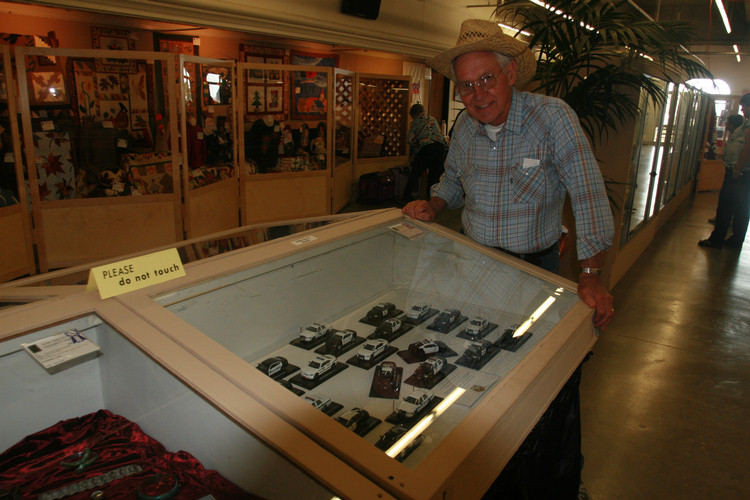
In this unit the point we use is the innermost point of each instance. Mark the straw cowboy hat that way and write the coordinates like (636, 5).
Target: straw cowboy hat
(480, 35)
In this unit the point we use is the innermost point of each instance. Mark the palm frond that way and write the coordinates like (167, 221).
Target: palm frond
(591, 54)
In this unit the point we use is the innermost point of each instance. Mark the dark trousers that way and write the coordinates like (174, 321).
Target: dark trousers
(733, 209)
(431, 158)
(547, 465)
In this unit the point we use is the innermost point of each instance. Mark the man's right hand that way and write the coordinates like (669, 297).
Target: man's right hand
(424, 210)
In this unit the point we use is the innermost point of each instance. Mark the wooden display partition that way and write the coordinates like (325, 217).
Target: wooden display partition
(211, 188)
(381, 117)
(286, 188)
(77, 230)
(343, 168)
(15, 226)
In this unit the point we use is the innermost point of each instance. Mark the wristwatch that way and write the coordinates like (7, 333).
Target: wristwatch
(591, 270)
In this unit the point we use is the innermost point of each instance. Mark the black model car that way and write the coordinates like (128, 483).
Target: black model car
(380, 311)
(446, 318)
(476, 351)
(390, 437)
(272, 366)
(353, 419)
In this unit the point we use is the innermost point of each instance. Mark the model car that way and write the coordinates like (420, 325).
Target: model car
(388, 369)
(372, 349)
(272, 366)
(446, 318)
(319, 402)
(388, 326)
(418, 312)
(341, 339)
(380, 311)
(476, 326)
(313, 331)
(318, 366)
(477, 350)
(426, 347)
(390, 437)
(354, 418)
(429, 368)
(415, 402)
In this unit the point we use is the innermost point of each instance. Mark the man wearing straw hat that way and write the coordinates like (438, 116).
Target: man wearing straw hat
(512, 158)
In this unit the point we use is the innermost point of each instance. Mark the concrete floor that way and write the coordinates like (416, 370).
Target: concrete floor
(664, 398)
(665, 404)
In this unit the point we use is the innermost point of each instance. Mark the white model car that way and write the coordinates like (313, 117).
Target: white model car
(418, 312)
(415, 402)
(476, 326)
(319, 402)
(372, 349)
(313, 331)
(318, 366)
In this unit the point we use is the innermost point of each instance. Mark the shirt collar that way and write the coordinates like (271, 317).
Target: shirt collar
(512, 124)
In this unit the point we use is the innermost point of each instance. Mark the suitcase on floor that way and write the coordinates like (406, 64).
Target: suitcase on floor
(377, 187)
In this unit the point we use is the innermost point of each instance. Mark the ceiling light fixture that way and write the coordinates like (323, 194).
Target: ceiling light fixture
(737, 52)
(720, 5)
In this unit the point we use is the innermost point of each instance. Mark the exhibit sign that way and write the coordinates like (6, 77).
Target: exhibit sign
(136, 273)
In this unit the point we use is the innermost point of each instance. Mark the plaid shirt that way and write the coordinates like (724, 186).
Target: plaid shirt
(513, 189)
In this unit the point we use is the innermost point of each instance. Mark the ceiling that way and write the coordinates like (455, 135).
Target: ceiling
(704, 14)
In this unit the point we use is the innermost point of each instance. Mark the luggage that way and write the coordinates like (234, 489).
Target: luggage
(377, 187)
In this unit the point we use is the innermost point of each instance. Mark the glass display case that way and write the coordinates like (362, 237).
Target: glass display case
(354, 359)
(143, 402)
(405, 349)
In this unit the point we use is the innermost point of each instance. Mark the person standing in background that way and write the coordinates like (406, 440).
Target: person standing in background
(427, 148)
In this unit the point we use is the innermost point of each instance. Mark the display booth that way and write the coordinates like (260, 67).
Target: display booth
(286, 148)
(208, 144)
(99, 128)
(15, 224)
(371, 358)
(382, 117)
(343, 167)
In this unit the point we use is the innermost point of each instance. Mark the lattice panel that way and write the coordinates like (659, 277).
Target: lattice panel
(344, 99)
(384, 107)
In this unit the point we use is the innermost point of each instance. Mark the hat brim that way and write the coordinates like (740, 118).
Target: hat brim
(503, 44)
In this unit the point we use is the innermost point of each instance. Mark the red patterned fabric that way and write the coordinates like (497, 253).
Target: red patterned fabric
(33, 466)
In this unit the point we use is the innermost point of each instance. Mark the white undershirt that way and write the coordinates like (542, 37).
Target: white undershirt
(493, 130)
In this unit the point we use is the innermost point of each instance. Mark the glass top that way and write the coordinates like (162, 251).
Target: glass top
(396, 332)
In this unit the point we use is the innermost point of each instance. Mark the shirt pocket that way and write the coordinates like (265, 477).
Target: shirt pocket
(529, 184)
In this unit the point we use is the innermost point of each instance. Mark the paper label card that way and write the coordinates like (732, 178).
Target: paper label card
(406, 230)
(63, 350)
(136, 273)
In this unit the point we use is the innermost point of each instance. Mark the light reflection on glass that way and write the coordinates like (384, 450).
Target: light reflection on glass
(425, 422)
(536, 314)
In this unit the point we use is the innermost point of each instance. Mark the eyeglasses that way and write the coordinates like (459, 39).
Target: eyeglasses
(486, 83)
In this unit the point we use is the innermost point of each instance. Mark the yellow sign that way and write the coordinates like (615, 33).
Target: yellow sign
(136, 273)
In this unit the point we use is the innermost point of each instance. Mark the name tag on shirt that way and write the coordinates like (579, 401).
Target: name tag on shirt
(530, 163)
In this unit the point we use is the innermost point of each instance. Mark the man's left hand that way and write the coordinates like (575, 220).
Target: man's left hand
(593, 293)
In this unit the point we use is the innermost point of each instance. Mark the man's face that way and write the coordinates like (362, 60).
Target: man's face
(491, 105)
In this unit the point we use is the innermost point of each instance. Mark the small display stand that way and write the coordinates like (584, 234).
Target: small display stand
(510, 343)
(387, 385)
(445, 321)
(408, 422)
(390, 334)
(429, 314)
(428, 381)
